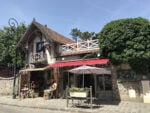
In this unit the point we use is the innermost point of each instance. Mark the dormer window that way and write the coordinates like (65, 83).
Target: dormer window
(39, 46)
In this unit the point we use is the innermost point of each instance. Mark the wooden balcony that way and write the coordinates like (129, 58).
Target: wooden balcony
(37, 57)
(80, 47)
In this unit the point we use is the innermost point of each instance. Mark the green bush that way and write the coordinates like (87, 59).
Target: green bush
(76, 89)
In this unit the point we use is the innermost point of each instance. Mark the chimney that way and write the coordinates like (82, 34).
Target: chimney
(34, 19)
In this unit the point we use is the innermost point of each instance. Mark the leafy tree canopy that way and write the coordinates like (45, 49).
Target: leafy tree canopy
(127, 41)
(8, 39)
(75, 33)
(78, 35)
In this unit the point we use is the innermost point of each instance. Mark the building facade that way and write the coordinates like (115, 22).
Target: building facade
(49, 55)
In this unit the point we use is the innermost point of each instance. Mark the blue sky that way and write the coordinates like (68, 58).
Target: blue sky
(63, 15)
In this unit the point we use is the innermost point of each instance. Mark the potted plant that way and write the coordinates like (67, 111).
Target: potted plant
(78, 92)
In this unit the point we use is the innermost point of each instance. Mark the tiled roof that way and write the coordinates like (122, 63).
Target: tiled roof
(54, 35)
(49, 33)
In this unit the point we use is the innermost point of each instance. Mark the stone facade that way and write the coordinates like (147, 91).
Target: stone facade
(6, 86)
(130, 91)
(126, 90)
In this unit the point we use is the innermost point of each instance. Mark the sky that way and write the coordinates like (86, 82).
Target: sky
(64, 15)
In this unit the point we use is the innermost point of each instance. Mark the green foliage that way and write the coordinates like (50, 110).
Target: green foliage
(78, 35)
(75, 32)
(8, 39)
(127, 41)
(76, 89)
(87, 35)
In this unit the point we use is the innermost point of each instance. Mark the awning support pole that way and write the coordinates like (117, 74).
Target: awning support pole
(68, 79)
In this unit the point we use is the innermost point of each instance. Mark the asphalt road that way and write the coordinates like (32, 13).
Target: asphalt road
(14, 109)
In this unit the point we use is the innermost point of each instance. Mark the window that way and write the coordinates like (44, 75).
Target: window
(39, 46)
(126, 75)
(104, 82)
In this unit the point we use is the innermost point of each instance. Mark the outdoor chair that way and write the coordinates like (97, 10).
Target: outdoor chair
(49, 95)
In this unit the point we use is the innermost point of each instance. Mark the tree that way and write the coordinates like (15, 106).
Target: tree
(127, 41)
(75, 32)
(87, 35)
(78, 35)
(8, 40)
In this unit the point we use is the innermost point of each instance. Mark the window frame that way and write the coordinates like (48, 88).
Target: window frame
(39, 46)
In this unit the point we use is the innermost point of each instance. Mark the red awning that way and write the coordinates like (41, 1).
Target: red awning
(78, 63)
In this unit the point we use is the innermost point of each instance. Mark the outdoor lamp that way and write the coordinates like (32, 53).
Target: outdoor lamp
(13, 23)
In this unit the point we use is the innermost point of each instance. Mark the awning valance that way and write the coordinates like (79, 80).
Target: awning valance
(32, 69)
(78, 63)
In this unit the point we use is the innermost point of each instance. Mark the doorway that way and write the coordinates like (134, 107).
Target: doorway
(39, 80)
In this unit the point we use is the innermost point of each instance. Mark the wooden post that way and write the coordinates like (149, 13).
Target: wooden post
(67, 96)
(103, 82)
(55, 77)
(95, 84)
(91, 98)
(55, 74)
(68, 80)
(19, 83)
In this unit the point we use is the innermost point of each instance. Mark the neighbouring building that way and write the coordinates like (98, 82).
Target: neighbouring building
(49, 55)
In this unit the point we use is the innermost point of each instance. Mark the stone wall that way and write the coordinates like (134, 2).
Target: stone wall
(6, 86)
(130, 91)
(6, 81)
(126, 90)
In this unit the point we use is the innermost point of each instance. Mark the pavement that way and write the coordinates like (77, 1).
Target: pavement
(61, 105)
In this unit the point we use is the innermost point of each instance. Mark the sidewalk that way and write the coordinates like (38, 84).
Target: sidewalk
(60, 105)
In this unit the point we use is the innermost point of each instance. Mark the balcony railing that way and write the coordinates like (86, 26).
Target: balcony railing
(37, 57)
(88, 45)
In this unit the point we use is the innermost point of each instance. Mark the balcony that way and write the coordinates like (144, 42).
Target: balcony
(37, 57)
(80, 47)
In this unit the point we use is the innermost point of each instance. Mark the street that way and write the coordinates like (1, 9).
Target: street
(14, 109)
(39, 105)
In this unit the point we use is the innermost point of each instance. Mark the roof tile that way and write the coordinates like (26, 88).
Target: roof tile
(54, 35)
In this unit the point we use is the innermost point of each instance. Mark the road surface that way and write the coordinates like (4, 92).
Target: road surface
(14, 109)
